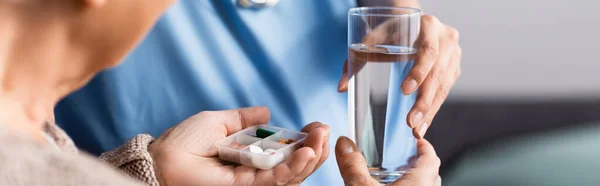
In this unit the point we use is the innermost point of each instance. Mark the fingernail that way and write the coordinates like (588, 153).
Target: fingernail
(422, 129)
(415, 119)
(409, 86)
(345, 146)
(343, 84)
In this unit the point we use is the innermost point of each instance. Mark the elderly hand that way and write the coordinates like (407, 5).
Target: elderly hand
(186, 154)
(353, 166)
(436, 68)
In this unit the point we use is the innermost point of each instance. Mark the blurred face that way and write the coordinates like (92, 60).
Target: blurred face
(109, 29)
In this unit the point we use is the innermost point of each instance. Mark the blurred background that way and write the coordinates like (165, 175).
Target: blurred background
(524, 110)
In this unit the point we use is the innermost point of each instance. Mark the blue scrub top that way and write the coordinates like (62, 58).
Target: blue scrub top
(214, 55)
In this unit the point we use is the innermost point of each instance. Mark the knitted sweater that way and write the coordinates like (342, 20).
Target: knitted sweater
(24, 161)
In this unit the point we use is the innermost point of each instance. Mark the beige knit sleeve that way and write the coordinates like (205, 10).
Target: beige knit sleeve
(134, 159)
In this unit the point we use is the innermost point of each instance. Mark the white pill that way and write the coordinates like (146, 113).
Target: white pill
(267, 161)
(255, 149)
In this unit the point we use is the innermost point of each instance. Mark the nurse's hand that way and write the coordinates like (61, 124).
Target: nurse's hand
(353, 166)
(436, 68)
(186, 154)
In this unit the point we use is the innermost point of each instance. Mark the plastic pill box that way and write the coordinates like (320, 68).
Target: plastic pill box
(262, 146)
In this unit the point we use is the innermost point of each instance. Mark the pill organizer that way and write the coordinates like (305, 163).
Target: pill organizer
(262, 146)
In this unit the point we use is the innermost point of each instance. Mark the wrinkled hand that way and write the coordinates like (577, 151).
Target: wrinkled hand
(436, 67)
(186, 154)
(353, 166)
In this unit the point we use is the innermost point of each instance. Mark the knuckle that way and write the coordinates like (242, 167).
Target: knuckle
(349, 165)
(456, 60)
(459, 52)
(430, 115)
(442, 96)
(426, 106)
(429, 19)
(437, 162)
(419, 74)
(436, 76)
(240, 117)
(453, 34)
(443, 93)
(423, 105)
(429, 49)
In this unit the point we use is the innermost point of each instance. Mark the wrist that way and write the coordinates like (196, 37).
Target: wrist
(155, 154)
(134, 158)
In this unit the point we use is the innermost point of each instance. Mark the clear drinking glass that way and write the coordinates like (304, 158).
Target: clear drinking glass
(380, 47)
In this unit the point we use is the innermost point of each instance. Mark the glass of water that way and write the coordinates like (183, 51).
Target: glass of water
(380, 49)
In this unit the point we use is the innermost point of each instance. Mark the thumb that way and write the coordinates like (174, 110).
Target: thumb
(425, 170)
(352, 164)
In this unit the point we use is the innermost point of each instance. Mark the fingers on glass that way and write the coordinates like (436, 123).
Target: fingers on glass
(434, 85)
(426, 155)
(441, 93)
(427, 53)
(422, 105)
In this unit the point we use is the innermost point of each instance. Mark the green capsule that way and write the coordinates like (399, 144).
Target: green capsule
(262, 133)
